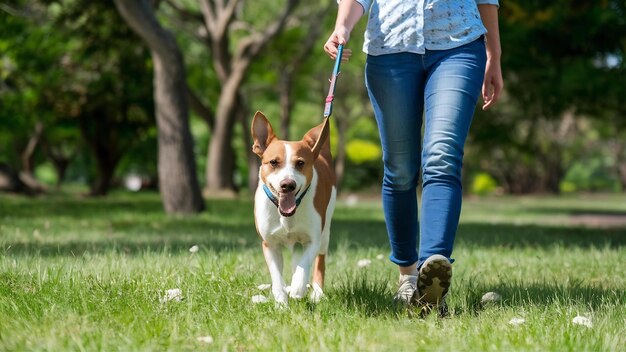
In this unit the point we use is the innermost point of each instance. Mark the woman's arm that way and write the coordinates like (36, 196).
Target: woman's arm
(348, 15)
(493, 84)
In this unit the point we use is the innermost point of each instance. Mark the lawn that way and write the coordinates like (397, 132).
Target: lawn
(90, 274)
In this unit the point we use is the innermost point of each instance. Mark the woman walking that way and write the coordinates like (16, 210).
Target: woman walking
(427, 63)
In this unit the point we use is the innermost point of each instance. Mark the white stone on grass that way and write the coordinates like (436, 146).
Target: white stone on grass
(517, 321)
(490, 298)
(258, 299)
(584, 321)
(380, 257)
(175, 294)
(206, 339)
(264, 287)
(363, 263)
(194, 249)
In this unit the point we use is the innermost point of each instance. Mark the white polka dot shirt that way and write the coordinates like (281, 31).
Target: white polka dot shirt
(417, 25)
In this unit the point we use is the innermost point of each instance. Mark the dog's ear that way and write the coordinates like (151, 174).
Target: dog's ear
(262, 133)
(317, 136)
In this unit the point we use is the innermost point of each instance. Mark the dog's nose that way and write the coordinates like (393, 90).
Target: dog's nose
(287, 185)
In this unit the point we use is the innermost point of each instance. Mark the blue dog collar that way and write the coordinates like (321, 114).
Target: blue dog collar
(272, 197)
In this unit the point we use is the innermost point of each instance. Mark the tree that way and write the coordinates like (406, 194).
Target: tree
(28, 77)
(286, 70)
(177, 172)
(68, 58)
(234, 41)
(109, 96)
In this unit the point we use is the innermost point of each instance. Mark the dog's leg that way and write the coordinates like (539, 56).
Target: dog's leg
(301, 275)
(296, 254)
(319, 270)
(320, 261)
(274, 259)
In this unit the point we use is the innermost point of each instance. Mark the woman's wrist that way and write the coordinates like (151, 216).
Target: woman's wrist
(349, 14)
(494, 55)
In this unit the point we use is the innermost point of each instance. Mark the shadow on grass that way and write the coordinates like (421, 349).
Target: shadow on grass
(517, 236)
(134, 224)
(542, 294)
(575, 211)
(364, 295)
(179, 235)
(368, 233)
(77, 207)
(371, 297)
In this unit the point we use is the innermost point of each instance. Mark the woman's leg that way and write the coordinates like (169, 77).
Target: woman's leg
(395, 86)
(452, 87)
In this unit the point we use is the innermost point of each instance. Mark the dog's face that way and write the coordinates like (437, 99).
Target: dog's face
(286, 167)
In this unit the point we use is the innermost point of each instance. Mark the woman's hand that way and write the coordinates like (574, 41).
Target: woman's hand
(339, 36)
(347, 16)
(493, 84)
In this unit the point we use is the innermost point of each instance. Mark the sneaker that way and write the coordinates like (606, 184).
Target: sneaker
(407, 290)
(434, 280)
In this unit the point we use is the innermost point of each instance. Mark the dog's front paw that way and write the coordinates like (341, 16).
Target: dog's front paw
(280, 296)
(316, 294)
(298, 293)
(298, 287)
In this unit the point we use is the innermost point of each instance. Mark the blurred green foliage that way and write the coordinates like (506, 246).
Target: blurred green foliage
(361, 151)
(483, 184)
(74, 66)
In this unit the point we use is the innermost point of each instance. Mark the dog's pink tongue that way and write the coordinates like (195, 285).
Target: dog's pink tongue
(287, 203)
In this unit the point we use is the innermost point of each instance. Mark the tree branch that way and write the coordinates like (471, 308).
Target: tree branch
(226, 16)
(312, 36)
(201, 109)
(184, 13)
(251, 45)
(141, 18)
(208, 15)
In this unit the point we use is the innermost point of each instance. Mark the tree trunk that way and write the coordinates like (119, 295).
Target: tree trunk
(251, 158)
(231, 71)
(553, 177)
(178, 181)
(621, 170)
(106, 170)
(60, 161)
(60, 166)
(618, 150)
(27, 174)
(221, 156)
(10, 181)
(29, 152)
(98, 133)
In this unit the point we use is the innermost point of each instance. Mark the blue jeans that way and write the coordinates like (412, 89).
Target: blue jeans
(440, 88)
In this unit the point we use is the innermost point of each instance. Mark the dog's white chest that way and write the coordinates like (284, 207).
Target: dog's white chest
(299, 228)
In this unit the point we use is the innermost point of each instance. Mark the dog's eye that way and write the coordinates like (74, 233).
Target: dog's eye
(274, 162)
(300, 164)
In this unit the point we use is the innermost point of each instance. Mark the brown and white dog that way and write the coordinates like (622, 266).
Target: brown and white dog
(294, 203)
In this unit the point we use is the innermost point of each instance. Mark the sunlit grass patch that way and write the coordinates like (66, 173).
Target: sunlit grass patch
(91, 274)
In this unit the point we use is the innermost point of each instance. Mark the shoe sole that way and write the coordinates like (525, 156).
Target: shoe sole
(434, 279)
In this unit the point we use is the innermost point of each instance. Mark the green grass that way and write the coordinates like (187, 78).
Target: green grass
(87, 274)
